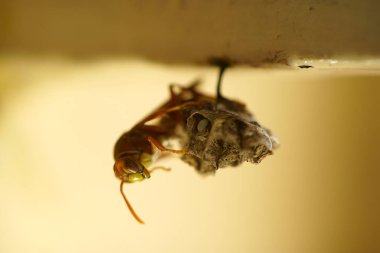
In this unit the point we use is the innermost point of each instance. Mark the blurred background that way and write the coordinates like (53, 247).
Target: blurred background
(75, 75)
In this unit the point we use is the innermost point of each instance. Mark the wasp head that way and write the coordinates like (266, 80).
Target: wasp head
(130, 171)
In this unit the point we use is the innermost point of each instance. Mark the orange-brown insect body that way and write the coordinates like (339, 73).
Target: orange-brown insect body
(138, 148)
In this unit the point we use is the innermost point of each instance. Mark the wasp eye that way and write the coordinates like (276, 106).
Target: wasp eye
(202, 125)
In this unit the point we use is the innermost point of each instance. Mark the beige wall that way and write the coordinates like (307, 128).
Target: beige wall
(60, 117)
(318, 193)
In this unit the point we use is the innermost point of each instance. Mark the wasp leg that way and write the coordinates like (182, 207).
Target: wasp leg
(191, 88)
(158, 145)
(163, 111)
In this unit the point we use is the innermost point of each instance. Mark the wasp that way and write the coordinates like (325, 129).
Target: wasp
(213, 132)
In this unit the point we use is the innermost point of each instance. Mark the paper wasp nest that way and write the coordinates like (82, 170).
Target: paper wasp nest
(224, 135)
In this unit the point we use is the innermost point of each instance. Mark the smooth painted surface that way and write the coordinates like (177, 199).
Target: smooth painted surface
(60, 119)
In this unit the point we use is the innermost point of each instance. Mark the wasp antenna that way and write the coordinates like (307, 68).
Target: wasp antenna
(129, 205)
